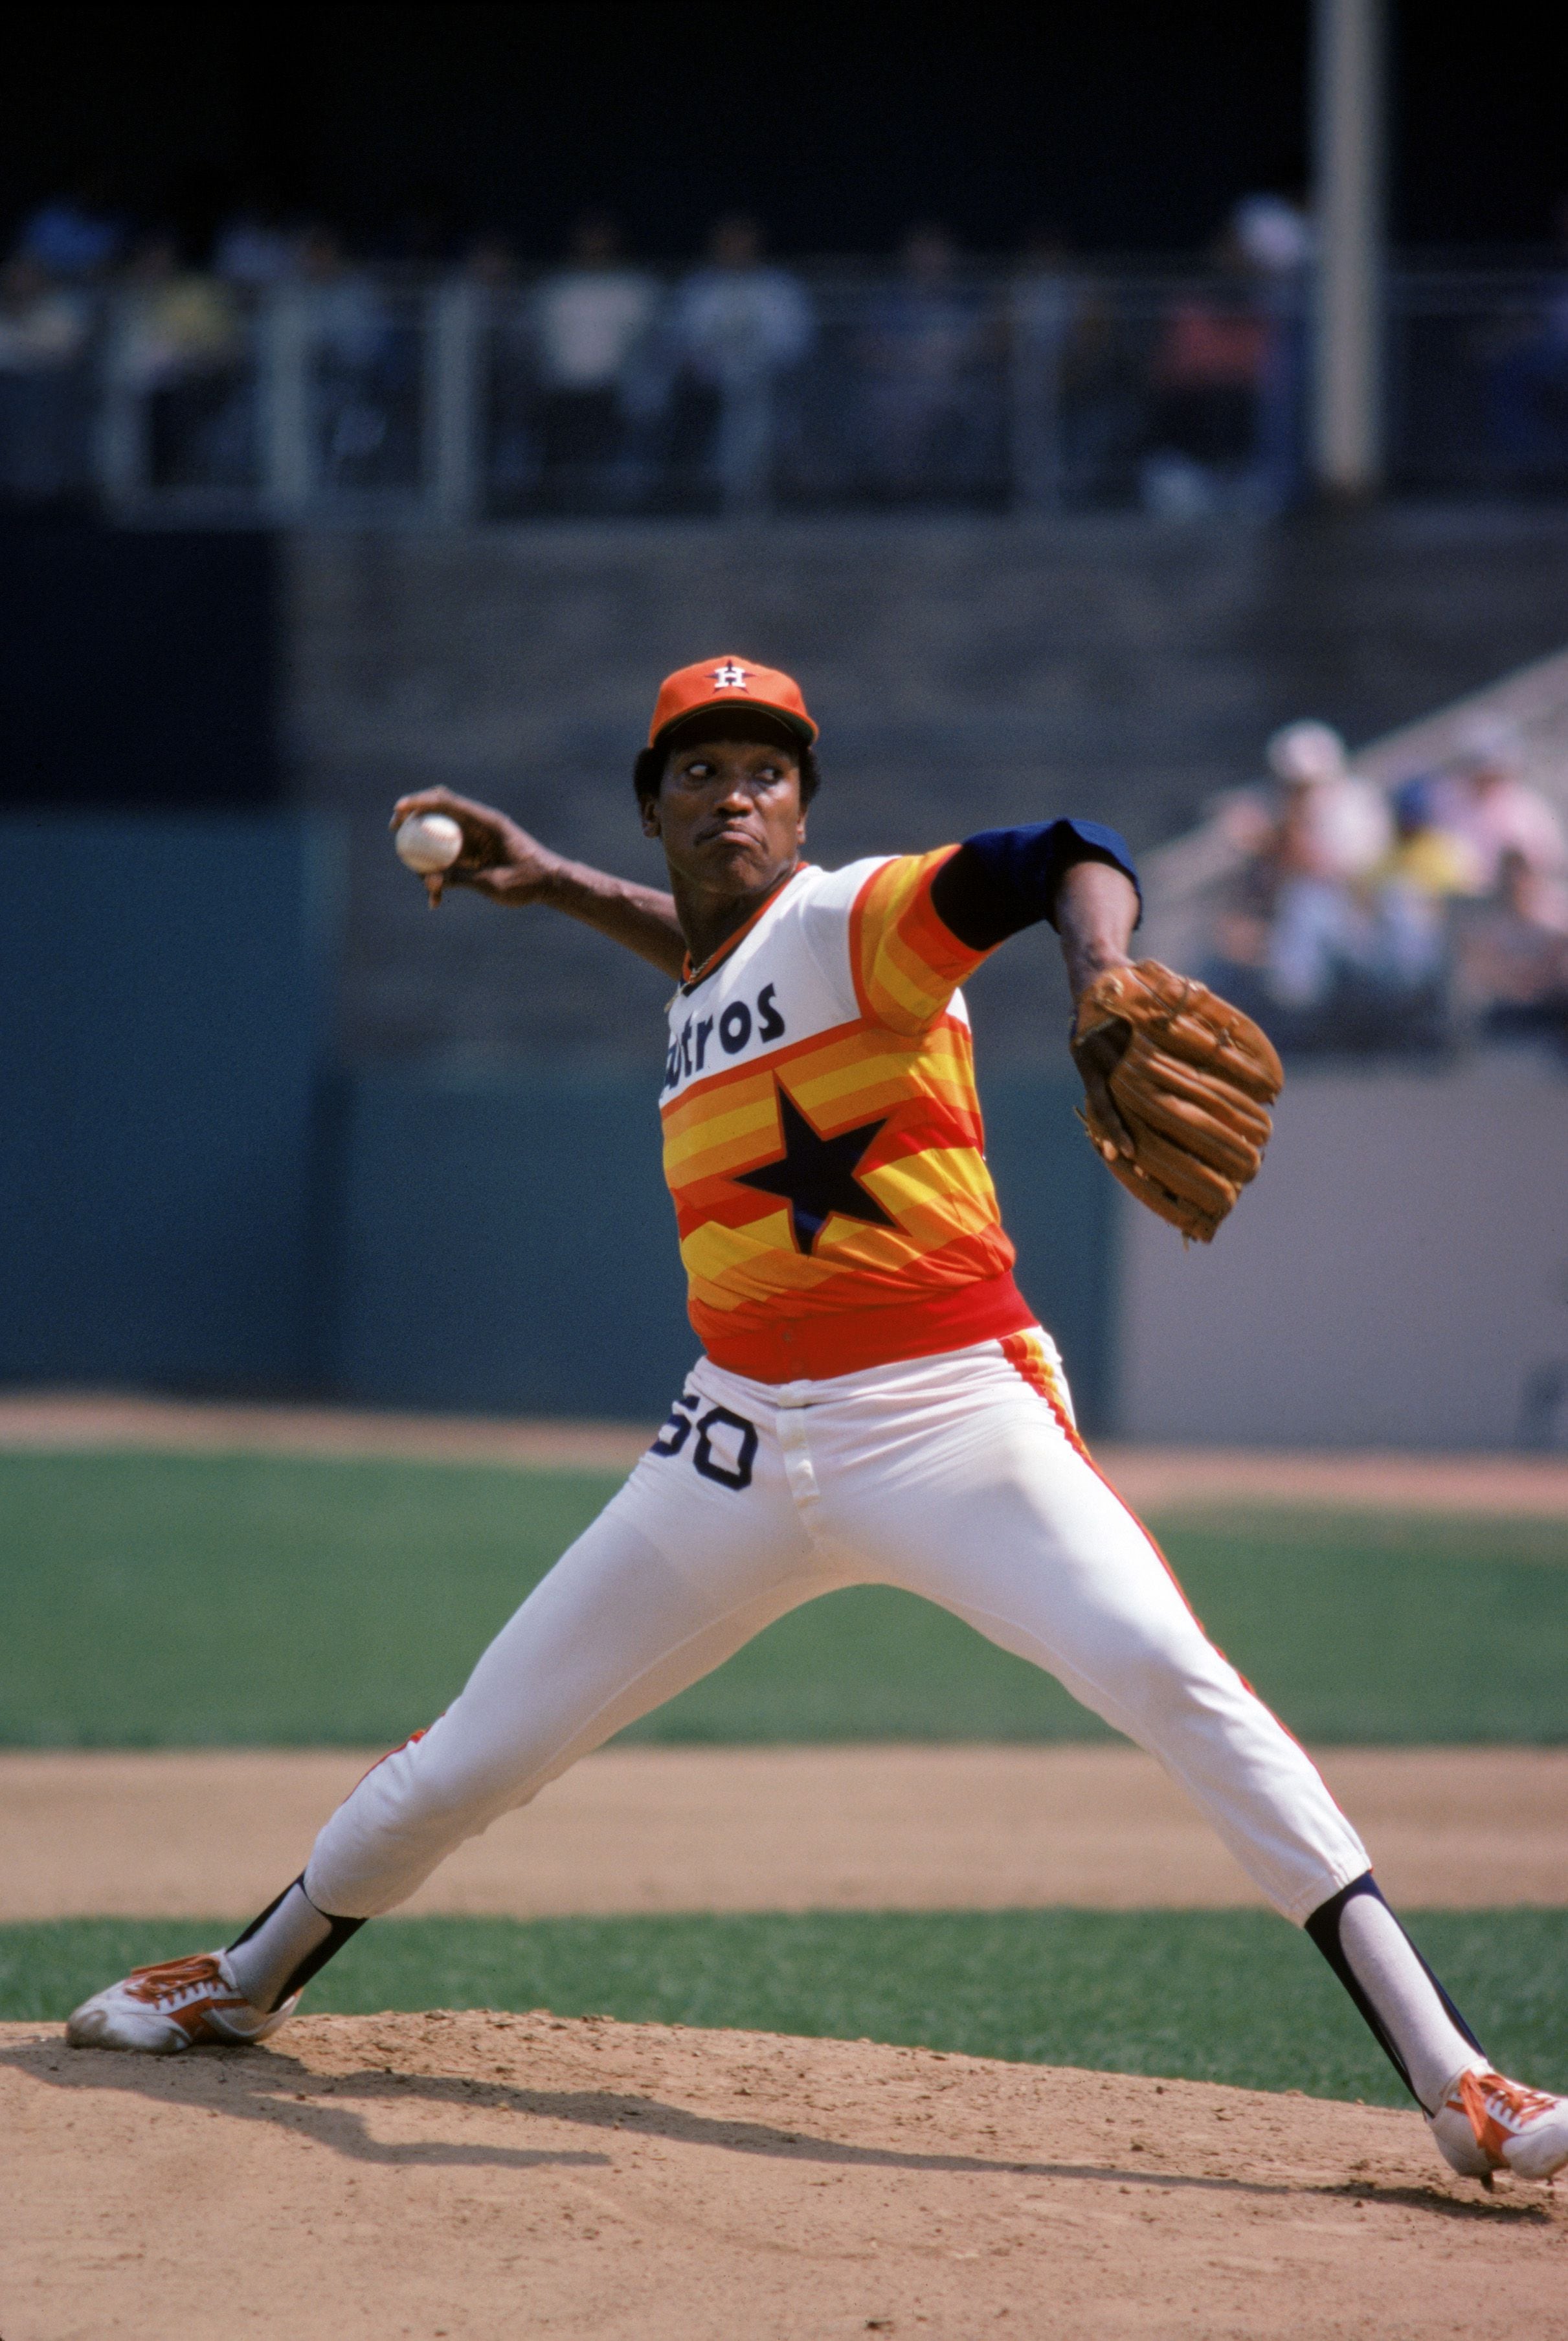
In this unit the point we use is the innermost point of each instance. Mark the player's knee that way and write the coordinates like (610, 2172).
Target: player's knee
(446, 1777)
(1168, 1675)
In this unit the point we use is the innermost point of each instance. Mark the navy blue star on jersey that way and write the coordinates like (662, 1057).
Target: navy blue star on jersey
(817, 1174)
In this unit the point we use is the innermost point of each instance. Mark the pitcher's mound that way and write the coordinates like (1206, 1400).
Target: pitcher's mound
(495, 2174)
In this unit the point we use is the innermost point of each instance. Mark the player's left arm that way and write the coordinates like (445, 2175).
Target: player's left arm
(1177, 1082)
(1097, 912)
(1079, 877)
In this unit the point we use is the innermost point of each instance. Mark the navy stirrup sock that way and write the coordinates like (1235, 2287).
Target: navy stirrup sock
(283, 1948)
(1406, 2009)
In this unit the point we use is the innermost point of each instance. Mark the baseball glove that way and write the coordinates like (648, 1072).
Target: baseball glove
(1177, 1086)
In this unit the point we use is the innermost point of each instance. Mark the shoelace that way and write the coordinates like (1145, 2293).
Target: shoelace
(176, 1982)
(1488, 2096)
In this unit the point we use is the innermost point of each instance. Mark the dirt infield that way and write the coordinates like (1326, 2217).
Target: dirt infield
(489, 2175)
(187, 1833)
(1152, 1478)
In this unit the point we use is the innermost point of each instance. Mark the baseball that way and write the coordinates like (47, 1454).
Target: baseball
(429, 841)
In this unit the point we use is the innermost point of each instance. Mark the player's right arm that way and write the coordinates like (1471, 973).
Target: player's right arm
(500, 860)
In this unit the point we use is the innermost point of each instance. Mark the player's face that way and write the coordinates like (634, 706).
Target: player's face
(729, 815)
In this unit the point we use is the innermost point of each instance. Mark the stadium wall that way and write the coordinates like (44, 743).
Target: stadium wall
(199, 1195)
(1398, 1276)
(968, 671)
(167, 985)
(216, 1144)
(140, 667)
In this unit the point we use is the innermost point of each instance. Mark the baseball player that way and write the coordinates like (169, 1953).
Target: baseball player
(875, 1401)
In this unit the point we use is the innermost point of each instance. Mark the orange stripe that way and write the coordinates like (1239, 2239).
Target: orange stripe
(923, 930)
(1038, 1381)
(875, 910)
(846, 1340)
(731, 1130)
(844, 1288)
(1031, 1369)
(908, 1057)
(891, 919)
(391, 1753)
(720, 1198)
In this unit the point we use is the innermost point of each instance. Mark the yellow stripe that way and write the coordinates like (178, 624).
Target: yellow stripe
(901, 985)
(734, 1135)
(955, 1174)
(714, 1105)
(884, 1070)
(718, 1260)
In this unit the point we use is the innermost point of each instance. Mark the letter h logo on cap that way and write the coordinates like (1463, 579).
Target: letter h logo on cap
(712, 682)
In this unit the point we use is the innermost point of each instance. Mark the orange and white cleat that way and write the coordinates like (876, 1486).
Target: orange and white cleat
(1486, 2124)
(173, 2006)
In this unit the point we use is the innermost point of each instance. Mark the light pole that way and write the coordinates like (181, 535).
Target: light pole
(1348, 154)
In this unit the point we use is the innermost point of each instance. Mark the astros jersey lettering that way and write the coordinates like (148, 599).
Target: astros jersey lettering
(822, 1134)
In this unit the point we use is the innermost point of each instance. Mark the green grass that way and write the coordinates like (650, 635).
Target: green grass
(157, 1600)
(1233, 1995)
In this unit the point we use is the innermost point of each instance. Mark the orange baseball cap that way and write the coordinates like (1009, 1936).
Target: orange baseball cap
(730, 683)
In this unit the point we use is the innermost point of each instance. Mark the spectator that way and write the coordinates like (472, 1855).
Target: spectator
(1274, 239)
(737, 327)
(491, 264)
(363, 372)
(1317, 930)
(593, 321)
(1047, 302)
(178, 322)
(1341, 821)
(1075, 404)
(926, 408)
(180, 344)
(1226, 374)
(349, 321)
(1427, 853)
(1492, 812)
(253, 250)
(72, 237)
(45, 333)
(1513, 955)
(1299, 909)
(1425, 870)
(511, 453)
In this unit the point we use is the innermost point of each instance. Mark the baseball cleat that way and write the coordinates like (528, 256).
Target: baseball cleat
(1486, 2124)
(173, 2006)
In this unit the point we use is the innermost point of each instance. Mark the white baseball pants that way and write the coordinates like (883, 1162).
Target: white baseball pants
(960, 1478)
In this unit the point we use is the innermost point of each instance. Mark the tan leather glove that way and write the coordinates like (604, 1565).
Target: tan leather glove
(1177, 1086)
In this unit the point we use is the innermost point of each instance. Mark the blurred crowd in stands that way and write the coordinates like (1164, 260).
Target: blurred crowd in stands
(603, 374)
(1041, 380)
(280, 370)
(1408, 919)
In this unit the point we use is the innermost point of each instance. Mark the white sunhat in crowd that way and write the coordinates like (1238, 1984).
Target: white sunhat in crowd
(1305, 752)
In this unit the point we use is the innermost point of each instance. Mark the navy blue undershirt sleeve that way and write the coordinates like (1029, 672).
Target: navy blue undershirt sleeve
(1004, 880)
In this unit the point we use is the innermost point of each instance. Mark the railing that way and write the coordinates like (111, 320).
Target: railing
(452, 402)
